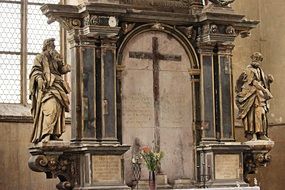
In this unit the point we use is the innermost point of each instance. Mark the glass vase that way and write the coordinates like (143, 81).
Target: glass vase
(151, 180)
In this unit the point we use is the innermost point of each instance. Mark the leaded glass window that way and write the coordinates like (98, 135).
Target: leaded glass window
(23, 29)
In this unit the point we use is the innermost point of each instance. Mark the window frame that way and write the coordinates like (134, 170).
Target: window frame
(24, 48)
(20, 112)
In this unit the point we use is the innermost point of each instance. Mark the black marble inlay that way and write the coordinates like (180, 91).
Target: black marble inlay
(89, 92)
(208, 96)
(109, 89)
(99, 98)
(226, 98)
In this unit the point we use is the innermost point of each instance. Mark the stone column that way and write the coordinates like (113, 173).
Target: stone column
(215, 49)
(84, 87)
(226, 110)
(108, 89)
(207, 87)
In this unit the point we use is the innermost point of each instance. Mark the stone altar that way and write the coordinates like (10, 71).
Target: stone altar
(156, 74)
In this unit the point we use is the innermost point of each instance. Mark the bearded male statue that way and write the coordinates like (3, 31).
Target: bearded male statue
(48, 92)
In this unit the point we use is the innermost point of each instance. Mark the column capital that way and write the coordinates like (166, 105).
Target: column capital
(109, 42)
(225, 48)
(206, 47)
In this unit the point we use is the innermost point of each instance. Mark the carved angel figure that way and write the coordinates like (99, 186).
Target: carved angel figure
(252, 95)
(48, 92)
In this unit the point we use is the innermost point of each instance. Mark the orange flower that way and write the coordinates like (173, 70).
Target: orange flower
(146, 149)
(152, 158)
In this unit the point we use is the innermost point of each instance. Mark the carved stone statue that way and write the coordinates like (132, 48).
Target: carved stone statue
(253, 93)
(48, 92)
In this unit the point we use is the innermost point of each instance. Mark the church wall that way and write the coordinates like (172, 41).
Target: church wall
(14, 171)
(268, 38)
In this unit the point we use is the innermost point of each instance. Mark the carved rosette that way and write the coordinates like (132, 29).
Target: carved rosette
(213, 29)
(230, 30)
(216, 33)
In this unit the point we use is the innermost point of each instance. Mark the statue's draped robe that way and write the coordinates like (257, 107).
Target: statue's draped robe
(252, 102)
(50, 104)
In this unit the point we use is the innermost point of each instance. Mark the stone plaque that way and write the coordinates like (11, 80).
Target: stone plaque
(227, 166)
(106, 169)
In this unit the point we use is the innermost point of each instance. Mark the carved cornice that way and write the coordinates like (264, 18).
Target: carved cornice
(66, 15)
(161, 3)
(228, 22)
(216, 33)
(213, 23)
(222, 2)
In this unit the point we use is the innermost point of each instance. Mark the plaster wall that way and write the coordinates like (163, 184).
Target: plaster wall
(268, 38)
(14, 171)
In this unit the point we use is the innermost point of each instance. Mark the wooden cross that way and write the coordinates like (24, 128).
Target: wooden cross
(155, 56)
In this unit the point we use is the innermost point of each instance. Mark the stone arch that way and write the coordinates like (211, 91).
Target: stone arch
(164, 28)
(144, 114)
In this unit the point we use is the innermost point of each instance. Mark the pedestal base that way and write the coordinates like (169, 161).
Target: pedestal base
(227, 188)
(123, 187)
(80, 166)
(257, 156)
(183, 184)
(142, 185)
(162, 182)
(221, 165)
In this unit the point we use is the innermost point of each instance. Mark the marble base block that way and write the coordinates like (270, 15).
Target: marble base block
(227, 188)
(162, 182)
(183, 184)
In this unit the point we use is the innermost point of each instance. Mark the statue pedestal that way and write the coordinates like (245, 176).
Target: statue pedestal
(221, 164)
(257, 156)
(80, 166)
(260, 145)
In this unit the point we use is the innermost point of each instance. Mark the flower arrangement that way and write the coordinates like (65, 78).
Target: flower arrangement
(151, 158)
